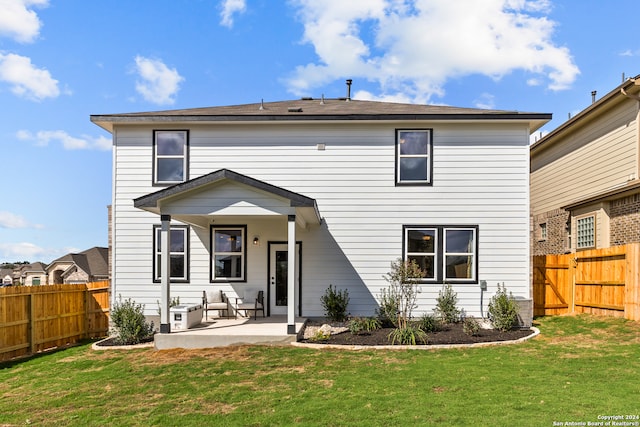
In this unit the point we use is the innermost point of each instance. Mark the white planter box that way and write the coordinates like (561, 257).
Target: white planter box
(184, 317)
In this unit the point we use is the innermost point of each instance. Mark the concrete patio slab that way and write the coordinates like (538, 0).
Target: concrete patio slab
(224, 332)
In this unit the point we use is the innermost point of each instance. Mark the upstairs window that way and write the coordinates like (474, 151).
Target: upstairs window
(444, 253)
(170, 156)
(414, 160)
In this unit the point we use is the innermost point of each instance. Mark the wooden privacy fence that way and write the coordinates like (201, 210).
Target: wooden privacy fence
(600, 281)
(36, 318)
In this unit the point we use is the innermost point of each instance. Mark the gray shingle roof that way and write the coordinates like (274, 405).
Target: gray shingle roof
(307, 109)
(93, 261)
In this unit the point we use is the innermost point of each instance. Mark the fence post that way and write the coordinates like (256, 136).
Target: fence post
(573, 268)
(85, 321)
(632, 283)
(32, 321)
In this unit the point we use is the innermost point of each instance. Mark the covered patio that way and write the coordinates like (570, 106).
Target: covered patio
(222, 332)
(226, 197)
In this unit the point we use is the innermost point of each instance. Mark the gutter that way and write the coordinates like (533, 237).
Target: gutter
(592, 109)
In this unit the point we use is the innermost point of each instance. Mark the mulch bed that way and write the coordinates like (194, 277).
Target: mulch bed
(111, 342)
(449, 334)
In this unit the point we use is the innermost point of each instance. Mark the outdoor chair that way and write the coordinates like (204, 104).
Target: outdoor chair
(215, 300)
(249, 304)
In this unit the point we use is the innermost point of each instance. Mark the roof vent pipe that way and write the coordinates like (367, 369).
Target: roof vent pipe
(349, 89)
(593, 96)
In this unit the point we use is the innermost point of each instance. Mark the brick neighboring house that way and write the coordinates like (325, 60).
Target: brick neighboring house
(585, 186)
(87, 266)
(32, 274)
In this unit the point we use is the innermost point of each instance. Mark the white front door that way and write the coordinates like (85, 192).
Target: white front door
(278, 274)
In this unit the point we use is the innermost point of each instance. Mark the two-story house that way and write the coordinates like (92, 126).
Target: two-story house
(585, 186)
(290, 197)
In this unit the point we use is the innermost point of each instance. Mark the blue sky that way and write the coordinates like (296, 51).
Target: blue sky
(61, 61)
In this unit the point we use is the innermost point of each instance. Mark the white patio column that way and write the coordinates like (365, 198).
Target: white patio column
(165, 273)
(291, 275)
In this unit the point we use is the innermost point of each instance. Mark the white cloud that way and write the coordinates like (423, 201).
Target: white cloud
(25, 79)
(229, 8)
(20, 251)
(11, 220)
(630, 53)
(485, 101)
(18, 21)
(158, 83)
(44, 137)
(414, 47)
(26, 251)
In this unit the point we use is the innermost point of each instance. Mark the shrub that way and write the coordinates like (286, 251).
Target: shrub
(361, 325)
(173, 303)
(446, 305)
(429, 323)
(470, 326)
(335, 303)
(130, 325)
(388, 311)
(403, 280)
(408, 335)
(320, 335)
(503, 310)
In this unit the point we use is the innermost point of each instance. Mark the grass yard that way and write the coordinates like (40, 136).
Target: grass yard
(580, 368)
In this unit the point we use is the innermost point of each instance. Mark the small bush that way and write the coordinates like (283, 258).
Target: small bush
(503, 310)
(400, 297)
(335, 303)
(447, 305)
(174, 302)
(429, 323)
(320, 335)
(470, 326)
(408, 335)
(388, 311)
(130, 325)
(363, 325)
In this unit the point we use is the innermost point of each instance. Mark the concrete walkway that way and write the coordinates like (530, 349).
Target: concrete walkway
(224, 332)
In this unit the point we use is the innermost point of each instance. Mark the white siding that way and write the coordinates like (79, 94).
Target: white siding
(480, 177)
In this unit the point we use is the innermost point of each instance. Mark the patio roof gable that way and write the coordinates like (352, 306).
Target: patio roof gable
(281, 201)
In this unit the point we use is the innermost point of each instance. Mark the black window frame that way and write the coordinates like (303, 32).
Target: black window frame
(429, 155)
(212, 254)
(187, 232)
(440, 254)
(185, 161)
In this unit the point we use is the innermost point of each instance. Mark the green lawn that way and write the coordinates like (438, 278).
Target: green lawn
(579, 368)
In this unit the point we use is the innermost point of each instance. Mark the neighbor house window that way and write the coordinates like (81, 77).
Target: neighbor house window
(413, 156)
(444, 253)
(586, 232)
(35, 281)
(178, 253)
(170, 156)
(228, 253)
(543, 231)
